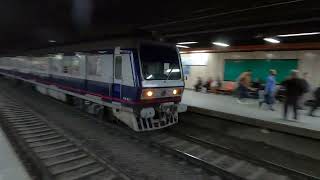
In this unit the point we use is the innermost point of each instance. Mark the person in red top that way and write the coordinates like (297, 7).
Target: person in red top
(207, 85)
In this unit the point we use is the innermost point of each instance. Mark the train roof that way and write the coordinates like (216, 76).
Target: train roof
(91, 47)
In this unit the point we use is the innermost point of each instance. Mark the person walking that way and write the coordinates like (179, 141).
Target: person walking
(244, 86)
(270, 89)
(294, 89)
(316, 103)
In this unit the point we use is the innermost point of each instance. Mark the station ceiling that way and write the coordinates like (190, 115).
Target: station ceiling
(37, 24)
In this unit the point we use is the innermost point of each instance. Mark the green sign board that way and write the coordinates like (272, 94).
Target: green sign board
(259, 67)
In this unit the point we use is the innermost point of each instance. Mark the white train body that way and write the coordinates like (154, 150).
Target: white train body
(141, 81)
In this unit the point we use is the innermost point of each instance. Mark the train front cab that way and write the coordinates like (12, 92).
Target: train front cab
(160, 89)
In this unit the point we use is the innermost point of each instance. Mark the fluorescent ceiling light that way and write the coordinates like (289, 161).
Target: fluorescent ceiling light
(52, 41)
(190, 42)
(220, 44)
(298, 34)
(199, 51)
(180, 46)
(271, 40)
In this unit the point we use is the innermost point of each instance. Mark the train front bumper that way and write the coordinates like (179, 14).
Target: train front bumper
(164, 108)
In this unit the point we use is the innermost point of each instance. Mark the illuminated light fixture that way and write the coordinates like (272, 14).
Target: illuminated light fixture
(149, 77)
(52, 41)
(180, 46)
(175, 92)
(199, 51)
(183, 52)
(173, 70)
(298, 34)
(149, 93)
(272, 40)
(185, 43)
(220, 44)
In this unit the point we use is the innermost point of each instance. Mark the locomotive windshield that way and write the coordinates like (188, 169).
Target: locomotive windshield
(159, 62)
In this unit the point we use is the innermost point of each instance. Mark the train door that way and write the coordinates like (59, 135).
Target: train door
(117, 76)
(122, 74)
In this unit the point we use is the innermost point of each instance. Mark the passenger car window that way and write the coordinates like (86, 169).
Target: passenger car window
(118, 68)
(95, 64)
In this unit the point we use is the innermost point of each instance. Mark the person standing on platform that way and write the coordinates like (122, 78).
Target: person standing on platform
(316, 103)
(294, 89)
(270, 90)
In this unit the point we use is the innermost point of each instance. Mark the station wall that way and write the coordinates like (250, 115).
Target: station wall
(212, 64)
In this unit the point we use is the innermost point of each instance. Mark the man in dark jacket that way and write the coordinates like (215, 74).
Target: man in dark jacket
(294, 89)
(316, 103)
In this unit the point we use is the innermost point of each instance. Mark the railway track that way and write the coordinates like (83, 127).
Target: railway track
(55, 155)
(204, 141)
(224, 161)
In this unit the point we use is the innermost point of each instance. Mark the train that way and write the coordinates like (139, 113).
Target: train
(141, 82)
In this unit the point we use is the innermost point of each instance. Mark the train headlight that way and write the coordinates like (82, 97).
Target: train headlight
(176, 91)
(149, 93)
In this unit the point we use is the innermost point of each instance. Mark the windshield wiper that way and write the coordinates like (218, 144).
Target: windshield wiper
(174, 65)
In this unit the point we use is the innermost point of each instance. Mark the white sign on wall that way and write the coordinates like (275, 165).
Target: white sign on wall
(197, 59)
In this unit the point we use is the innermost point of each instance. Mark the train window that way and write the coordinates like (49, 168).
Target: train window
(160, 62)
(118, 68)
(95, 64)
(75, 66)
(40, 63)
(71, 65)
(56, 65)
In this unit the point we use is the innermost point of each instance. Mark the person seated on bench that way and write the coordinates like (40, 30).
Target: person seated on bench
(208, 84)
(198, 85)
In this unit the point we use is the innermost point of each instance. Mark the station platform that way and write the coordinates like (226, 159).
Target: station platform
(228, 108)
(11, 168)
